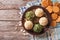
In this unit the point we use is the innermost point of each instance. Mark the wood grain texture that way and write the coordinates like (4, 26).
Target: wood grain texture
(9, 20)
(8, 26)
(9, 15)
(12, 4)
(13, 36)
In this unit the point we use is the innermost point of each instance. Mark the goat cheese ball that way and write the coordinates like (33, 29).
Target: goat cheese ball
(30, 15)
(39, 12)
(28, 25)
(37, 28)
(43, 21)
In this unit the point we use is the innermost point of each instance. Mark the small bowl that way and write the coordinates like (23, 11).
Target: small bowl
(48, 17)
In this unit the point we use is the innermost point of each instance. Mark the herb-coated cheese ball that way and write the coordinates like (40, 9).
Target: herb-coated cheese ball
(39, 12)
(37, 28)
(28, 25)
(43, 21)
(29, 15)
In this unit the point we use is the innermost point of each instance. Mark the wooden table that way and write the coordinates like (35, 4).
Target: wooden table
(9, 20)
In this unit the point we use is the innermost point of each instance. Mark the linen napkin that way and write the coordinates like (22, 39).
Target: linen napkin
(52, 34)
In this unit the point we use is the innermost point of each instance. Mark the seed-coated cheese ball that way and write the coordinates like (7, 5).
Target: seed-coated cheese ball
(39, 12)
(28, 25)
(43, 21)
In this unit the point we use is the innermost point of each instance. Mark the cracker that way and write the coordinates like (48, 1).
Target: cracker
(46, 3)
(54, 16)
(58, 20)
(49, 8)
(53, 24)
(55, 9)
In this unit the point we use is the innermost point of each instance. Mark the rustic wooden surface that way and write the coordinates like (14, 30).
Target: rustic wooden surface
(9, 19)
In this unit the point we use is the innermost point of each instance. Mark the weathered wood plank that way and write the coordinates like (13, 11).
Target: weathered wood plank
(9, 19)
(13, 36)
(9, 15)
(12, 4)
(8, 26)
(10, 30)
